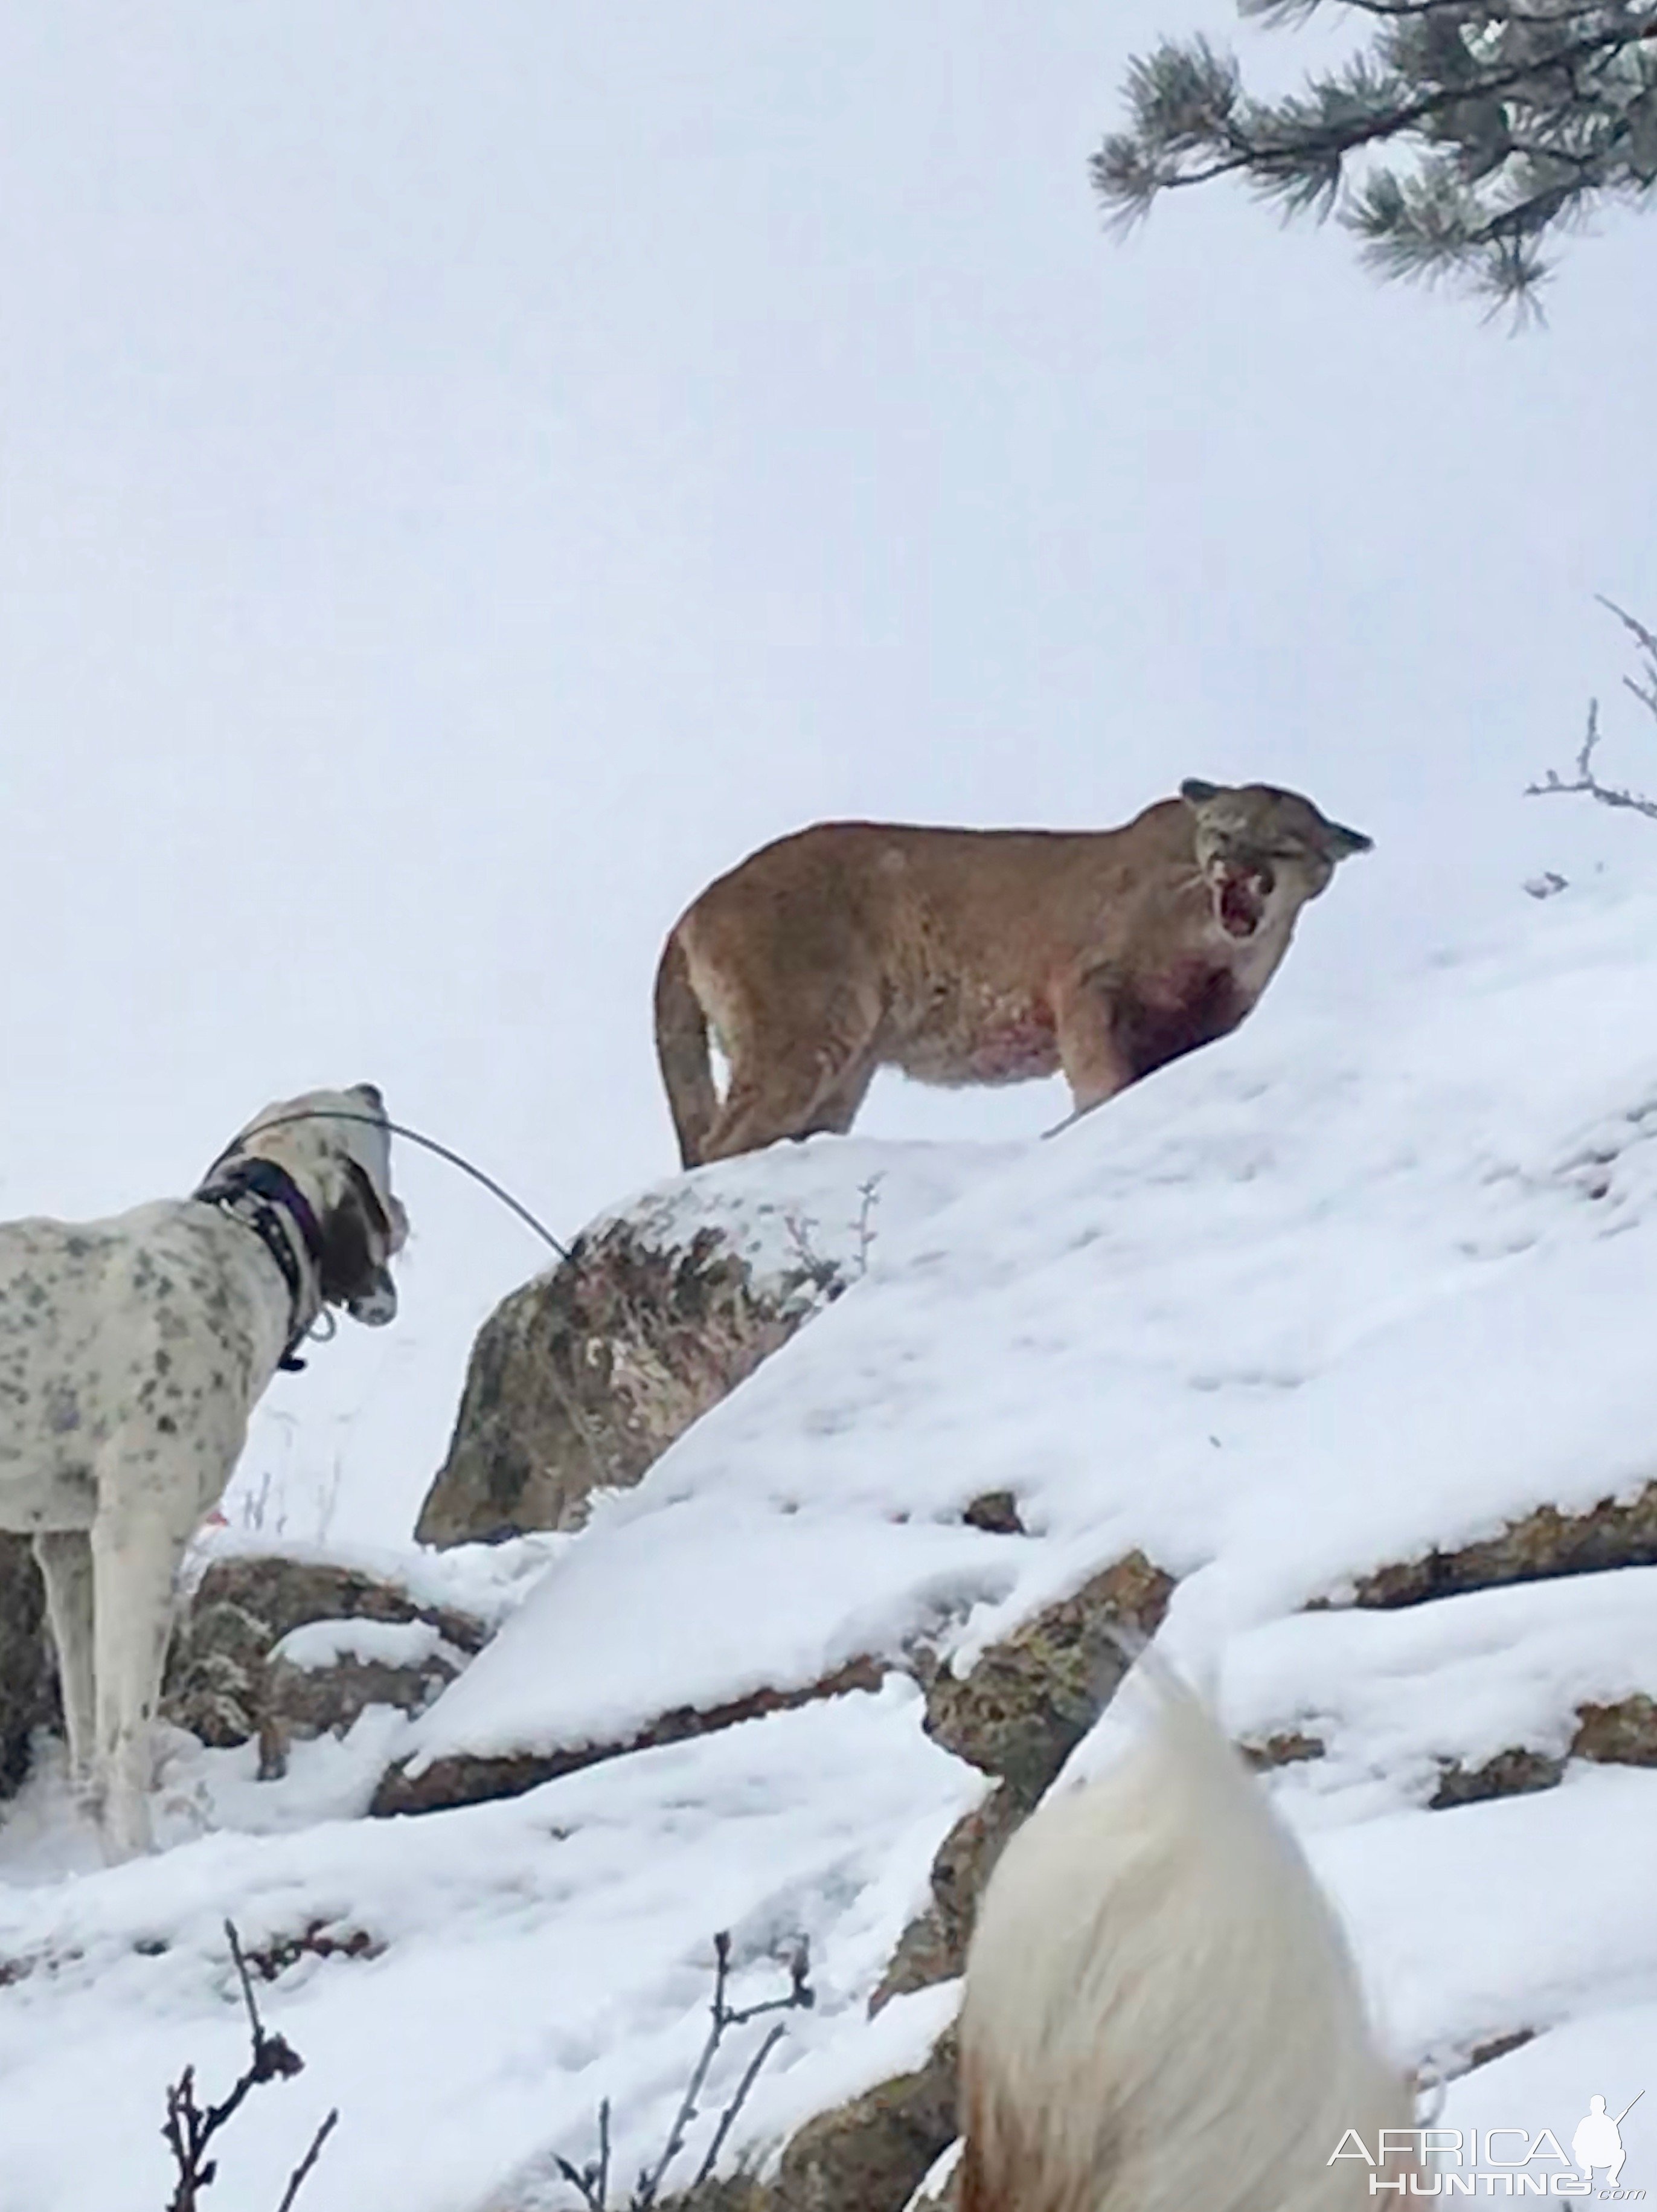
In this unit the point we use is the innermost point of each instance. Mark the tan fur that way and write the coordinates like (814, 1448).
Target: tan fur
(1161, 2013)
(978, 956)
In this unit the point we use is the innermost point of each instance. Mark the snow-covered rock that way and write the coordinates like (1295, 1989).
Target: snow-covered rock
(584, 1377)
(1503, 1684)
(323, 1676)
(249, 1604)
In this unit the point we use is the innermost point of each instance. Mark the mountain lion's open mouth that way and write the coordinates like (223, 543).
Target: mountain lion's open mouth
(1239, 895)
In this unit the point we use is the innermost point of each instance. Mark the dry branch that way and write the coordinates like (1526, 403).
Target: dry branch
(1586, 779)
(190, 2128)
(591, 2182)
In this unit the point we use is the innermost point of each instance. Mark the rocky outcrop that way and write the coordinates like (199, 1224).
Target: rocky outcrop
(1620, 1735)
(933, 1947)
(322, 1677)
(1017, 1716)
(475, 1777)
(1031, 1699)
(28, 1670)
(869, 2156)
(221, 1684)
(1614, 1533)
(941, 2189)
(582, 1378)
(1545, 1546)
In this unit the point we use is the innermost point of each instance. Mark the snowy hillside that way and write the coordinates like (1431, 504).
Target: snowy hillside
(1339, 1293)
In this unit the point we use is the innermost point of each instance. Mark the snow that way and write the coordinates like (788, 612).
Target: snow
(1395, 1696)
(725, 1601)
(1352, 1285)
(488, 1581)
(532, 1957)
(319, 1645)
(804, 1207)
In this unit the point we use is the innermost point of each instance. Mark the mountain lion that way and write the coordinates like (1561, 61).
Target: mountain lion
(978, 956)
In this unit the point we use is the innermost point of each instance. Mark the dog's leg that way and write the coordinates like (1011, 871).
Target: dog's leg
(65, 1560)
(135, 1557)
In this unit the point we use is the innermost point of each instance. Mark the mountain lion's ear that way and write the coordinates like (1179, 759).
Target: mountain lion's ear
(1196, 793)
(1341, 843)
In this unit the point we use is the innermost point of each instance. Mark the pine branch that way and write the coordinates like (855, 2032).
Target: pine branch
(1521, 119)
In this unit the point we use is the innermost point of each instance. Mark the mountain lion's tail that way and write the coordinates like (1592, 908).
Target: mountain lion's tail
(1162, 2014)
(682, 1053)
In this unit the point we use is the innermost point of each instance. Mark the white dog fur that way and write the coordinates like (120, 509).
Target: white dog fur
(132, 1351)
(1161, 2012)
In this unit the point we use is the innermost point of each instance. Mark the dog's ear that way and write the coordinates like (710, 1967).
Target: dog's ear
(357, 1235)
(1197, 794)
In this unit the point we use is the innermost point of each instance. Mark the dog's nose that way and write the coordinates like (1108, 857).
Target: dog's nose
(371, 1092)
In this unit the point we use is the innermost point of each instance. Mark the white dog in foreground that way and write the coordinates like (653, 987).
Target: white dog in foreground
(132, 1351)
(1161, 2012)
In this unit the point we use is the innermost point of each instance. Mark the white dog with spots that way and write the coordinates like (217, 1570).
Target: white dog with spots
(132, 1351)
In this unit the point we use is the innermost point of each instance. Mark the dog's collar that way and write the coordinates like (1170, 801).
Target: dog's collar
(265, 1199)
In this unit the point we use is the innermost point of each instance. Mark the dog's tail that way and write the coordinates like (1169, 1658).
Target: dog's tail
(1161, 2012)
(682, 1053)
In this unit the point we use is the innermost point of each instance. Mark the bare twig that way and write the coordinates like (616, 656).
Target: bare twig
(296, 2178)
(591, 2182)
(827, 1275)
(751, 2074)
(189, 2130)
(863, 1227)
(1646, 639)
(651, 2180)
(1586, 780)
(822, 1274)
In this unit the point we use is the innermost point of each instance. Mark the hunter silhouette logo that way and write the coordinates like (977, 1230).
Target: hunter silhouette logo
(1499, 2161)
(1599, 2141)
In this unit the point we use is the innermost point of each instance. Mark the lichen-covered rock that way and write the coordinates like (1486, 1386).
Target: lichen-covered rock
(217, 1669)
(869, 2156)
(995, 1512)
(941, 2189)
(477, 1777)
(1614, 1533)
(322, 1677)
(933, 1947)
(1510, 1774)
(1623, 1734)
(1018, 1714)
(28, 1670)
(582, 1378)
(1031, 1699)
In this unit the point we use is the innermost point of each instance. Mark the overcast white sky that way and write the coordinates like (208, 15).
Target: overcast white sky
(470, 473)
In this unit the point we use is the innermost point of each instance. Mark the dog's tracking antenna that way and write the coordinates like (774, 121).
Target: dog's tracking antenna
(415, 1137)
